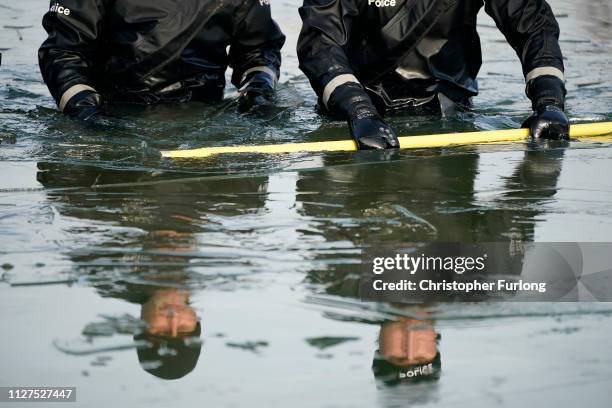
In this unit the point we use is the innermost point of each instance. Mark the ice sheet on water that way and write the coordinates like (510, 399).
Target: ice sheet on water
(105, 335)
(110, 325)
(95, 345)
(328, 341)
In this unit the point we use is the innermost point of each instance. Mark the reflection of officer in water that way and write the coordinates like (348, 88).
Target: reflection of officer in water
(408, 347)
(416, 187)
(150, 201)
(157, 275)
(368, 58)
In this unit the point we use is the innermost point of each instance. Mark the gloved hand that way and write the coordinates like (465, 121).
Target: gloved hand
(365, 124)
(86, 106)
(257, 89)
(548, 121)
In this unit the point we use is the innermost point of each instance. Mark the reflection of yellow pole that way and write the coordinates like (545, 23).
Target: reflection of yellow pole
(406, 142)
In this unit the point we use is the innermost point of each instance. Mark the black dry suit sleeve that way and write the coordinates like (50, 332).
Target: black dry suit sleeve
(323, 41)
(532, 30)
(257, 42)
(68, 55)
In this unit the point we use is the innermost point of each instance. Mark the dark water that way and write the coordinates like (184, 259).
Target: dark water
(93, 223)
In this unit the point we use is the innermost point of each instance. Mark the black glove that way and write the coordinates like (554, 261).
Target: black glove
(365, 124)
(86, 105)
(257, 89)
(548, 121)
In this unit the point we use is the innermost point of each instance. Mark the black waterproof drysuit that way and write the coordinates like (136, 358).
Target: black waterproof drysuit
(146, 51)
(415, 48)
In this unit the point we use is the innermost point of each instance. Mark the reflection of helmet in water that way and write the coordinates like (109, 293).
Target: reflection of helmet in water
(392, 374)
(167, 357)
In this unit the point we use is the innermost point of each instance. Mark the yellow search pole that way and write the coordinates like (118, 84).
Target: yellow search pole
(406, 142)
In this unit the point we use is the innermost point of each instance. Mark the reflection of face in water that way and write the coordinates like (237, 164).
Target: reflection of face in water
(168, 314)
(172, 331)
(407, 351)
(406, 342)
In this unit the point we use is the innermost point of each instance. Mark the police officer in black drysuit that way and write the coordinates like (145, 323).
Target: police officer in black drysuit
(147, 52)
(367, 58)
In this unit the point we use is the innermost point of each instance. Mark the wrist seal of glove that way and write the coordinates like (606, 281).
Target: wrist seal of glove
(258, 80)
(352, 101)
(84, 105)
(545, 91)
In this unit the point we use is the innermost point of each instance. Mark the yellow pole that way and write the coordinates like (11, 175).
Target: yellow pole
(406, 142)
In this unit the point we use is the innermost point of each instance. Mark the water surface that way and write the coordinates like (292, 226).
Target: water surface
(93, 222)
